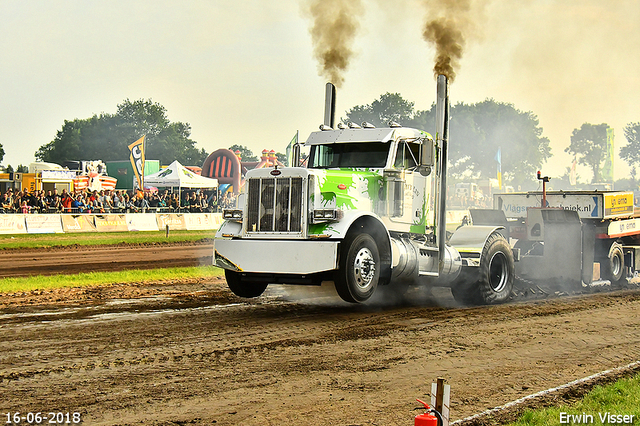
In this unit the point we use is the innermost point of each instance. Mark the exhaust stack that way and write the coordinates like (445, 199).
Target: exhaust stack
(330, 105)
(442, 140)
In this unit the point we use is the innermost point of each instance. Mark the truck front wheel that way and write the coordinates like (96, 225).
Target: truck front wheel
(242, 287)
(359, 271)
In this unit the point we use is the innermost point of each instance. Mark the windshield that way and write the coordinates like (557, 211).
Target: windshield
(345, 155)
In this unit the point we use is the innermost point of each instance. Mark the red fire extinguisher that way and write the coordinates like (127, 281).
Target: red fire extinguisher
(428, 419)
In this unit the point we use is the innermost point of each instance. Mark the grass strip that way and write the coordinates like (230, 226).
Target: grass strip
(602, 405)
(41, 282)
(100, 238)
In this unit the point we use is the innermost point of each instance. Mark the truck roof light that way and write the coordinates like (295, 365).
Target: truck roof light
(394, 124)
(353, 125)
(368, 125)
(324, 127)
(341, 125)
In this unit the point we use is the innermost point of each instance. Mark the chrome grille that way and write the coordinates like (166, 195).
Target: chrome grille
(274, 205)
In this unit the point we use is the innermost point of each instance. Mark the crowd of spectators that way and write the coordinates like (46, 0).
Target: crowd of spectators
(116, 201)
(464, 201)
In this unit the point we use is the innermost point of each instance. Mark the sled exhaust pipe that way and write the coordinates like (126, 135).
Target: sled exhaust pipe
(442, 139)
(330, 105)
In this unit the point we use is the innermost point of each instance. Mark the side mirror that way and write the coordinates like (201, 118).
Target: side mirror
(426, 157)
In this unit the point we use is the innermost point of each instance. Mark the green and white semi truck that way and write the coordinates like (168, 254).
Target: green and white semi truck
(368, 210)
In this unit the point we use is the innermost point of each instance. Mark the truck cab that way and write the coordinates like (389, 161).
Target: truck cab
(367, 211)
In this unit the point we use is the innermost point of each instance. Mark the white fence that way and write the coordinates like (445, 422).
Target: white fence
(71, 223)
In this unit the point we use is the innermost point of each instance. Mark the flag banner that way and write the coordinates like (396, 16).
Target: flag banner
(289, 151)
(498, 158)
(136, 156)
(572, 174)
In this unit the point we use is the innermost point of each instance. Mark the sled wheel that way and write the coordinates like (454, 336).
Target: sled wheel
(359, 271)
(497, 271)
(243, 288)
(612, 268)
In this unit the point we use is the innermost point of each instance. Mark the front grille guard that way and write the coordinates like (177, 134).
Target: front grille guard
(275, 205)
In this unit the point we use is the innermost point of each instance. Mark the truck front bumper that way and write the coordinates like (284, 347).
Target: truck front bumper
(276, 256)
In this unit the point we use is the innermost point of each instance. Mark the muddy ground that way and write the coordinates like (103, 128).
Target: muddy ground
(189, 352)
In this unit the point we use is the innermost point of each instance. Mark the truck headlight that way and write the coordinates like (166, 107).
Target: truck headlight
(232, 214)
(325, 215)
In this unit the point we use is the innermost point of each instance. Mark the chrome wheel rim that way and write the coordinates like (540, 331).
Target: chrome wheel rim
(364, 268)
(616, 265)
(498, 272)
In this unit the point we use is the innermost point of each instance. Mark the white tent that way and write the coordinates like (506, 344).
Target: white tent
(178, 176)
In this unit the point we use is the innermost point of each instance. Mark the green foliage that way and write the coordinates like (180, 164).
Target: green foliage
(390, 107)
(245, 153)
(476, 132)
(106, 137)
(1, 153)
(626, 184)
(93, 279)
(98, 238)
(631, 151)
(281, 158)
(563, 182)
(589, 145)
(20, 169)
(619, 398)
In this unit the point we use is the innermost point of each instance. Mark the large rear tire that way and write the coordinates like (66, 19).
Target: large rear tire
(492, 282)
(497, 270)
(242, 287)
(465, 288)
(359, 269)
(612, 268)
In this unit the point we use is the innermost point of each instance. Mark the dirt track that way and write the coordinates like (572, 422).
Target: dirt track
(76, 259)
(192, 353)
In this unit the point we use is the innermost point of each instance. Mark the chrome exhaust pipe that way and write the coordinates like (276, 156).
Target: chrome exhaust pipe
(442, 140)
(330, 105)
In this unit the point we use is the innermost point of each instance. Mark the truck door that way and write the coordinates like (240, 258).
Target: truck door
(414, 209)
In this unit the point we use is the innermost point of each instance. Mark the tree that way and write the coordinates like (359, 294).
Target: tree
(1, 153)
(390, 107)
(107, 136)
(477, 132)
(589, 145)
(245, 153)
(631, 151)
(483, 129)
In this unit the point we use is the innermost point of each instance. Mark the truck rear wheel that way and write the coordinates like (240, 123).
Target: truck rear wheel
(612, 268)
(243, 288)
(359, 269)
(497, 271)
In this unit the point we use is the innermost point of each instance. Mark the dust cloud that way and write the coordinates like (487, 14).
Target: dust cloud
(334, 28)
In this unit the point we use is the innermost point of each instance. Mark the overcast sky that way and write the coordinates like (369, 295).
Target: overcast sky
(244, 72)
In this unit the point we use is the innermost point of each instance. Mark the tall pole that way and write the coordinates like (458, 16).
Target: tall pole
(544, 180)
(442, 139)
